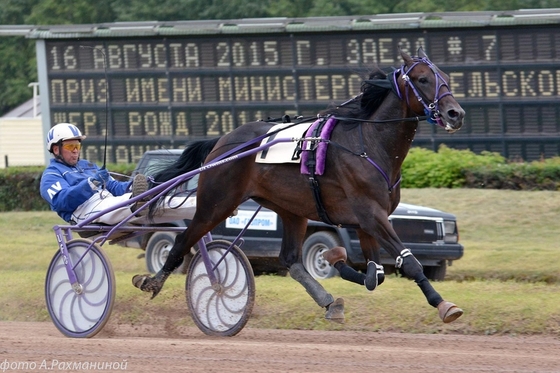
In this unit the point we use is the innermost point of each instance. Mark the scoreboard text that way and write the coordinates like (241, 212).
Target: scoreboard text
(166, 91)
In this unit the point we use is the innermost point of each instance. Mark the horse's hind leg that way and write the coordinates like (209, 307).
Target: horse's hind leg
(290, 256)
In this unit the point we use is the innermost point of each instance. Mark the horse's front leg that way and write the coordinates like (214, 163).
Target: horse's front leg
(410, 266)
(290, 256)
(374, 275)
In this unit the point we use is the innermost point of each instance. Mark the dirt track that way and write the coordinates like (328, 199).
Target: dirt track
(36, 347)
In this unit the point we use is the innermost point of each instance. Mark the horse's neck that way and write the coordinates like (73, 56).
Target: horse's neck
(394, 138)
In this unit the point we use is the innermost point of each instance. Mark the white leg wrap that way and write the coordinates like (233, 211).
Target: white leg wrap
(400, 259)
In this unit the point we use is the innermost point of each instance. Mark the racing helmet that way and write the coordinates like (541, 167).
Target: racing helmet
(61, 132)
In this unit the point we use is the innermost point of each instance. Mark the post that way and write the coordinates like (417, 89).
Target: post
(34, 85)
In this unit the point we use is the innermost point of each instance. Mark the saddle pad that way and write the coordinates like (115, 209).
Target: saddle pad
(283, 152)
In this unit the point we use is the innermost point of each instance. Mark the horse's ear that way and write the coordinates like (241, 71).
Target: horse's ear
(422, 54)
(407, 59)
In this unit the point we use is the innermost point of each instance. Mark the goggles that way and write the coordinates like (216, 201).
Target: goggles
(72, 147)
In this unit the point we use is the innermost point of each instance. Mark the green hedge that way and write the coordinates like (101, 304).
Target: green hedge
(19, 189)
(446, 168)
(452, 168)
(543, 175)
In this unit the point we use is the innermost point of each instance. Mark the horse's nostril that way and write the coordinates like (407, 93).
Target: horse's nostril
(455, 114)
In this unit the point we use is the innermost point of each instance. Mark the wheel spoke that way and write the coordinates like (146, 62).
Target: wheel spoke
(223, 309)
(83, 314)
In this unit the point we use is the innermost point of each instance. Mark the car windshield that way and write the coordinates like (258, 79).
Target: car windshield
(159, 162)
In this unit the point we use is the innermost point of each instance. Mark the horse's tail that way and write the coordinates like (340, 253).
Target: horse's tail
(191, 159)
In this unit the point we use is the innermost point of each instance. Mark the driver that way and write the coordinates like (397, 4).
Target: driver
(76, 188)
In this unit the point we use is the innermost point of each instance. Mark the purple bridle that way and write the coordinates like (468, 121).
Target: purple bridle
(431, 110)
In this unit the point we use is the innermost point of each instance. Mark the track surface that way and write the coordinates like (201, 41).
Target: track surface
(39, 347)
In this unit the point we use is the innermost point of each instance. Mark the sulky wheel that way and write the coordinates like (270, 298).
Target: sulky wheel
(81, 312)
(222, 309)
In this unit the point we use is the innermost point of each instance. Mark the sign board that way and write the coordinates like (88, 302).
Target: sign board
(167, 90)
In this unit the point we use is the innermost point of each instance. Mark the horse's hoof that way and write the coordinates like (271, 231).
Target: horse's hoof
(449, 312)
(335, 311)
(147, 284)
(139, 280)
(375, 275)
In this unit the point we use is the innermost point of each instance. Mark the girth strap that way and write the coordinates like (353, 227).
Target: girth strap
(310, 163)
(321, 211)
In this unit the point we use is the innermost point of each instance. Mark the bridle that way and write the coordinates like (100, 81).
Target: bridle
(431, 109)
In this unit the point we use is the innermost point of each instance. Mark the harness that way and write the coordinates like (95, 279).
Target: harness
(309, 161)
(432, 116)
(431, 111)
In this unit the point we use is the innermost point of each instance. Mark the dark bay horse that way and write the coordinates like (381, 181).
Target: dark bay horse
(359, 186)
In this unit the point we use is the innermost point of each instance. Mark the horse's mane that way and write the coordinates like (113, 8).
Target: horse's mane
(374, 90)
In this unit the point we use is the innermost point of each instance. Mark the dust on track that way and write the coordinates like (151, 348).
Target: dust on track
(41, 347)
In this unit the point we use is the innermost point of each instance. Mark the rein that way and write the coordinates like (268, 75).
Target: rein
(410, 119)
(364, 155)
(259, 139)
(431, 110)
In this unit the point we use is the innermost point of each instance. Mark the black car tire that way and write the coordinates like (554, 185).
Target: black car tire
(157, 251)
(436, 273)
(312, 254)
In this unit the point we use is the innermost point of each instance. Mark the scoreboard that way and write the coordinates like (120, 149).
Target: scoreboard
(173, 85)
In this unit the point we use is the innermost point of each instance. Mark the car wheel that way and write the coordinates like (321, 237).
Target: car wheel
(436, 273)
(312, 253)
(157, 251)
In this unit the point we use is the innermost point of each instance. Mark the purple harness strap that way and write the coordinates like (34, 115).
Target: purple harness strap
(319, 146)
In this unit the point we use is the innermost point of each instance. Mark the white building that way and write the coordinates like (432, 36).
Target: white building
(22, 141)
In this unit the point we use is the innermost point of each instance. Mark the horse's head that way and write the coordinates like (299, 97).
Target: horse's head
(427, 91)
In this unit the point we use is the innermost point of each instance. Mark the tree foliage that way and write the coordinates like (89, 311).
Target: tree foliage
(53, 12)
(18, 63)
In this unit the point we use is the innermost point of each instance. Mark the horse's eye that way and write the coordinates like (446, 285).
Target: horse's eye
(423, 80)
